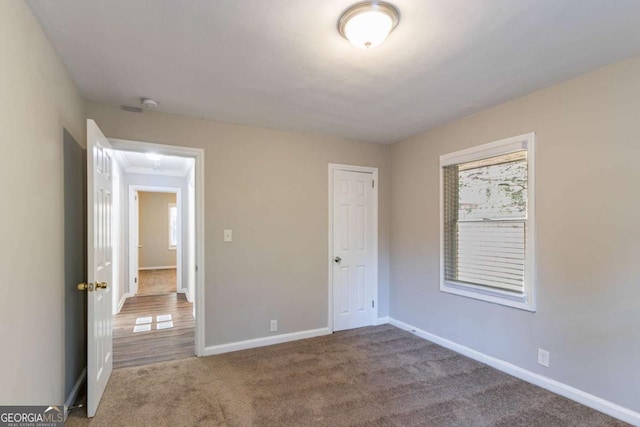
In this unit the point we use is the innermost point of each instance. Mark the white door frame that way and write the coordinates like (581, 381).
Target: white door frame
(198, 155)
(374, 171)
(134, 225)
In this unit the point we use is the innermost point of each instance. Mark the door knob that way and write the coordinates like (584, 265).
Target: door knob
(337, 259)
(101, 285)
(85, 287)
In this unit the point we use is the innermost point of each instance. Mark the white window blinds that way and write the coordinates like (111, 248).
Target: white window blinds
(485, 222)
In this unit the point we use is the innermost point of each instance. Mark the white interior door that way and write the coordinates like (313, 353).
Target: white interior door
(100, 269)
(134, 240)
(354, 279)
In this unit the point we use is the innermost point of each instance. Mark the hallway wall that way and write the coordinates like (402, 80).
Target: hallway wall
(153, 230)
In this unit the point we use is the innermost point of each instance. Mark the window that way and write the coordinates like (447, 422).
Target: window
(173, 226)
(487, 237)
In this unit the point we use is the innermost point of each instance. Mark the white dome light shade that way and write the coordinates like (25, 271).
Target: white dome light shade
(368, 29)
(368, 24)
(154, 157)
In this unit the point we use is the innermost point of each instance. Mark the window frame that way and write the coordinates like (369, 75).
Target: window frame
(526, 300)
(173, 247)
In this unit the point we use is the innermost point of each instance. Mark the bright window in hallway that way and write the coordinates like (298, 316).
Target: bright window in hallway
(173, 226)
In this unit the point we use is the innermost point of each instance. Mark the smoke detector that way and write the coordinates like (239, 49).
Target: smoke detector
(149, 103)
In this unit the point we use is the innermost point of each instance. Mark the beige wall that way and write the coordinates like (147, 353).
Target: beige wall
(154, 229)
(270, 188)
(587, 219)
(38, 100)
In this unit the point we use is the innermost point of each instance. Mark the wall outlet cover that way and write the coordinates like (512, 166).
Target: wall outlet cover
(274, 325)
(543, 357)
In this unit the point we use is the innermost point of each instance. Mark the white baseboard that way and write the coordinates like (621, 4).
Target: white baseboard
(382, 320)
(554, 386)
(261, 342)
(122, 301)
(162, 267)
(186, 293)
(74, 393)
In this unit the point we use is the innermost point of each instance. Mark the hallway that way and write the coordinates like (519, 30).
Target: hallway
(153, 343)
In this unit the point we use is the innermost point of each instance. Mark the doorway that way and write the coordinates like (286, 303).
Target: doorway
(107, 286)
(156, 240)
(157, 291)
(353, 247)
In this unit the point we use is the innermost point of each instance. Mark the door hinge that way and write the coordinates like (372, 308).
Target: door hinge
(373, 304)
(135, 280)
(373, 184)
(196, 268)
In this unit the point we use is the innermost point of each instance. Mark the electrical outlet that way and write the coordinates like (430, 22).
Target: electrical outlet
(274, 325)
(543, 357)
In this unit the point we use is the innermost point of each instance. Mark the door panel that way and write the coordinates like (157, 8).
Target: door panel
(353, 278)
(134, 241)
(100, 265)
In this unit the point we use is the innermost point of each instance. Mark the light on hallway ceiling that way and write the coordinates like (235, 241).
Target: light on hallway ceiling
(368, 24)
(155, 157)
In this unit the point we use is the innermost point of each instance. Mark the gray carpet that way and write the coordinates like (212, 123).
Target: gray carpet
(376, 376)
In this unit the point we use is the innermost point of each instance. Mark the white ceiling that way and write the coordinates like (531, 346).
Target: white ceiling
(282, 63)
(133, 162)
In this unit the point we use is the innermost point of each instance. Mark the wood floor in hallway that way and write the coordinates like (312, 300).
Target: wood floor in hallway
(156, 282)
(141, 348)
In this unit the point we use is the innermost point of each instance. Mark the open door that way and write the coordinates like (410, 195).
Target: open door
(134, 241)
(100, 268)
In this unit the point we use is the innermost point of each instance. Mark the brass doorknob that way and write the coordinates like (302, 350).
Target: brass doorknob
(101, 285)
(85, 287)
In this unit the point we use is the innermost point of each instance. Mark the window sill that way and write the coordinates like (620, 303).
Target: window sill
(496, 296)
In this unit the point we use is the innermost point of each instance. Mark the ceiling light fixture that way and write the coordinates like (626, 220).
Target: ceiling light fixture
(154, 157)
(367, 24)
